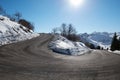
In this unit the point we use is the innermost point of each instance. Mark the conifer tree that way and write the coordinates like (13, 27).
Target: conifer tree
(115, 43)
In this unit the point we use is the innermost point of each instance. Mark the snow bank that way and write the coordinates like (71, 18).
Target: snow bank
(11, 31)
(64, 46)
(116, 51)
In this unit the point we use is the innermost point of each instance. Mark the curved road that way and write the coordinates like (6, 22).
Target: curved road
(32, 60)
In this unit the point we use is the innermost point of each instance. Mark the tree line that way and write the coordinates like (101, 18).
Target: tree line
(67, 31)
(17, 17)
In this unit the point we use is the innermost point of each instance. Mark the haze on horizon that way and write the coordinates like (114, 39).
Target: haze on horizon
(85, 15)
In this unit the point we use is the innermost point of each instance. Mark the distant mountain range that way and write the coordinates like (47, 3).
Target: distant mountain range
(102, 39)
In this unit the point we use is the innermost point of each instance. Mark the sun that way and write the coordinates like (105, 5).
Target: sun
(76, 3)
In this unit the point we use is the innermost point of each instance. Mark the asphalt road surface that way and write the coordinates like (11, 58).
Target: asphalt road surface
(33, 60)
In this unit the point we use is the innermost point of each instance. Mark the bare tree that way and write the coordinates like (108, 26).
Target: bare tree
(71, 30)
(63, 30)
(2, 11)
(67, 31)
(17, 15)
(55, 30)
(72, 34)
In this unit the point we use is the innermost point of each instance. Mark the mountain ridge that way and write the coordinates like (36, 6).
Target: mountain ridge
(102, 39)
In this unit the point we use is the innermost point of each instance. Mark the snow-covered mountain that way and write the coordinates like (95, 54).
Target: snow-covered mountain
(11, 31)
(62, 45)
(102, 39)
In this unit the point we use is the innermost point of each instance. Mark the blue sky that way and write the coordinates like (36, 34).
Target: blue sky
(93, 15)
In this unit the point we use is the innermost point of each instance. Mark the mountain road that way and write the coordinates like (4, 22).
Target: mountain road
(33, 60)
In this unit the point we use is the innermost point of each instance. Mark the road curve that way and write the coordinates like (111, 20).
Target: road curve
(33, 60)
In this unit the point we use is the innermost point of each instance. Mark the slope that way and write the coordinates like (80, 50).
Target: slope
(11, 31)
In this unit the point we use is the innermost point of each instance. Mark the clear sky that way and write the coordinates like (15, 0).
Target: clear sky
(92, 15)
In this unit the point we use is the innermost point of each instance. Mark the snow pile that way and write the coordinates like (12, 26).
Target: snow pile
(116, 51)
(102, 39)
(64, 46)
(11, 31)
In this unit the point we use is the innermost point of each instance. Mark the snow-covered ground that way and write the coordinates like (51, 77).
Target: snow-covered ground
(116, 51)
(64, 46)
(11, 31)
(102, 39)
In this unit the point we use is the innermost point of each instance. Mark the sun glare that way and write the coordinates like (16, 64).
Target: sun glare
(76, 3)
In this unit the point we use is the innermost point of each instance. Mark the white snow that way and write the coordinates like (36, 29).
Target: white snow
(64, 46)
(11, 31)
(116, 51)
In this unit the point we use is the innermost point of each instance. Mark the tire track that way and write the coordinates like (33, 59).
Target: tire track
(32, 60)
